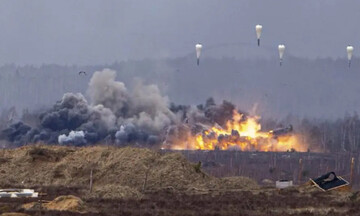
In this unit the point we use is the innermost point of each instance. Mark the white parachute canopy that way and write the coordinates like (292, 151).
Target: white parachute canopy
(258, 29)
(198, 48)
(281, 48)
(349, 50)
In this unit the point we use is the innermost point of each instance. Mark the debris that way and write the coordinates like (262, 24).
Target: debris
(330, 181)
(16, 193)
(281, 131)
(283, 184)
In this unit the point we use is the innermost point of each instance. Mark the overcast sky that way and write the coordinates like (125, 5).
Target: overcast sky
(97, 31)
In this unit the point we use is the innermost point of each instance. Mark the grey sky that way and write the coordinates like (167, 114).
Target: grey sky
(97, 31)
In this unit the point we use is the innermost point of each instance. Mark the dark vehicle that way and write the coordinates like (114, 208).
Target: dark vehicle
(281, 131)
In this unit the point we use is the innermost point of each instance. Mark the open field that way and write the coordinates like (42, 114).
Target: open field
(132, 181)
(276, 165)
(265, 201)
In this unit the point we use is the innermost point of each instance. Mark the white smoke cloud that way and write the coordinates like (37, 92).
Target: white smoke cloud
(104, 90)
(74, 137)
(145, 107)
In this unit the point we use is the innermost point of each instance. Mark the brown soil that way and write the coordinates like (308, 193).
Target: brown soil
(132, 181)
(115, 191)
(14, 214)
(66, 203)
(257, 203)
(62, 203)
(238, 183)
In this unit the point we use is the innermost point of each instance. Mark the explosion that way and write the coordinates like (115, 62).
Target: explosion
(114, 114)
(243, 133)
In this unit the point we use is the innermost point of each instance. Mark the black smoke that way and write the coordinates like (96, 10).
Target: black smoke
(118, 116)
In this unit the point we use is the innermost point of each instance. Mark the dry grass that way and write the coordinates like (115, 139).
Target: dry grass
(62, 203)
(133, 181)
(117, 172)
(239, 182)
(115, 192)
(66, 203)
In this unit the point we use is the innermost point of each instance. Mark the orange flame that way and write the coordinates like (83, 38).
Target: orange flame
(242, 134)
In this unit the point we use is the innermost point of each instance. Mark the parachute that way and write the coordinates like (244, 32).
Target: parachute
(349, 50)
(281, 48)
(198, 48)
(258, 29)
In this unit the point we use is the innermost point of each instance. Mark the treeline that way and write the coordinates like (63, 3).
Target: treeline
(324, 135)
(323, 88)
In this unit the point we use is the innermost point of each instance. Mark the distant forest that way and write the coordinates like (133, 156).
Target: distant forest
(323, 88)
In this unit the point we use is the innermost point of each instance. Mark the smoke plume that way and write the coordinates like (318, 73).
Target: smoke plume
(114, 114)
(74, 137)
(117, 115)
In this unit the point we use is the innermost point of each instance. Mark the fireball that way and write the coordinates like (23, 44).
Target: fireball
(242, 133)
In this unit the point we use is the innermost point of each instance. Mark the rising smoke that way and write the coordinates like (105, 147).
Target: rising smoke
(119, 116)
(74, 137)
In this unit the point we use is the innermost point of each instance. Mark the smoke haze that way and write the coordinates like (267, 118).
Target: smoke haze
(321, 88)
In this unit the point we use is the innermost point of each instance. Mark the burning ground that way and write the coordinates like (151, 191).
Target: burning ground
(113, 114)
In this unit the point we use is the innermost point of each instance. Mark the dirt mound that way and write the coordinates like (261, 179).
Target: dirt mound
(66, 203)
(128, 171)
(173, 170)
(61, 203)
(137, 168)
